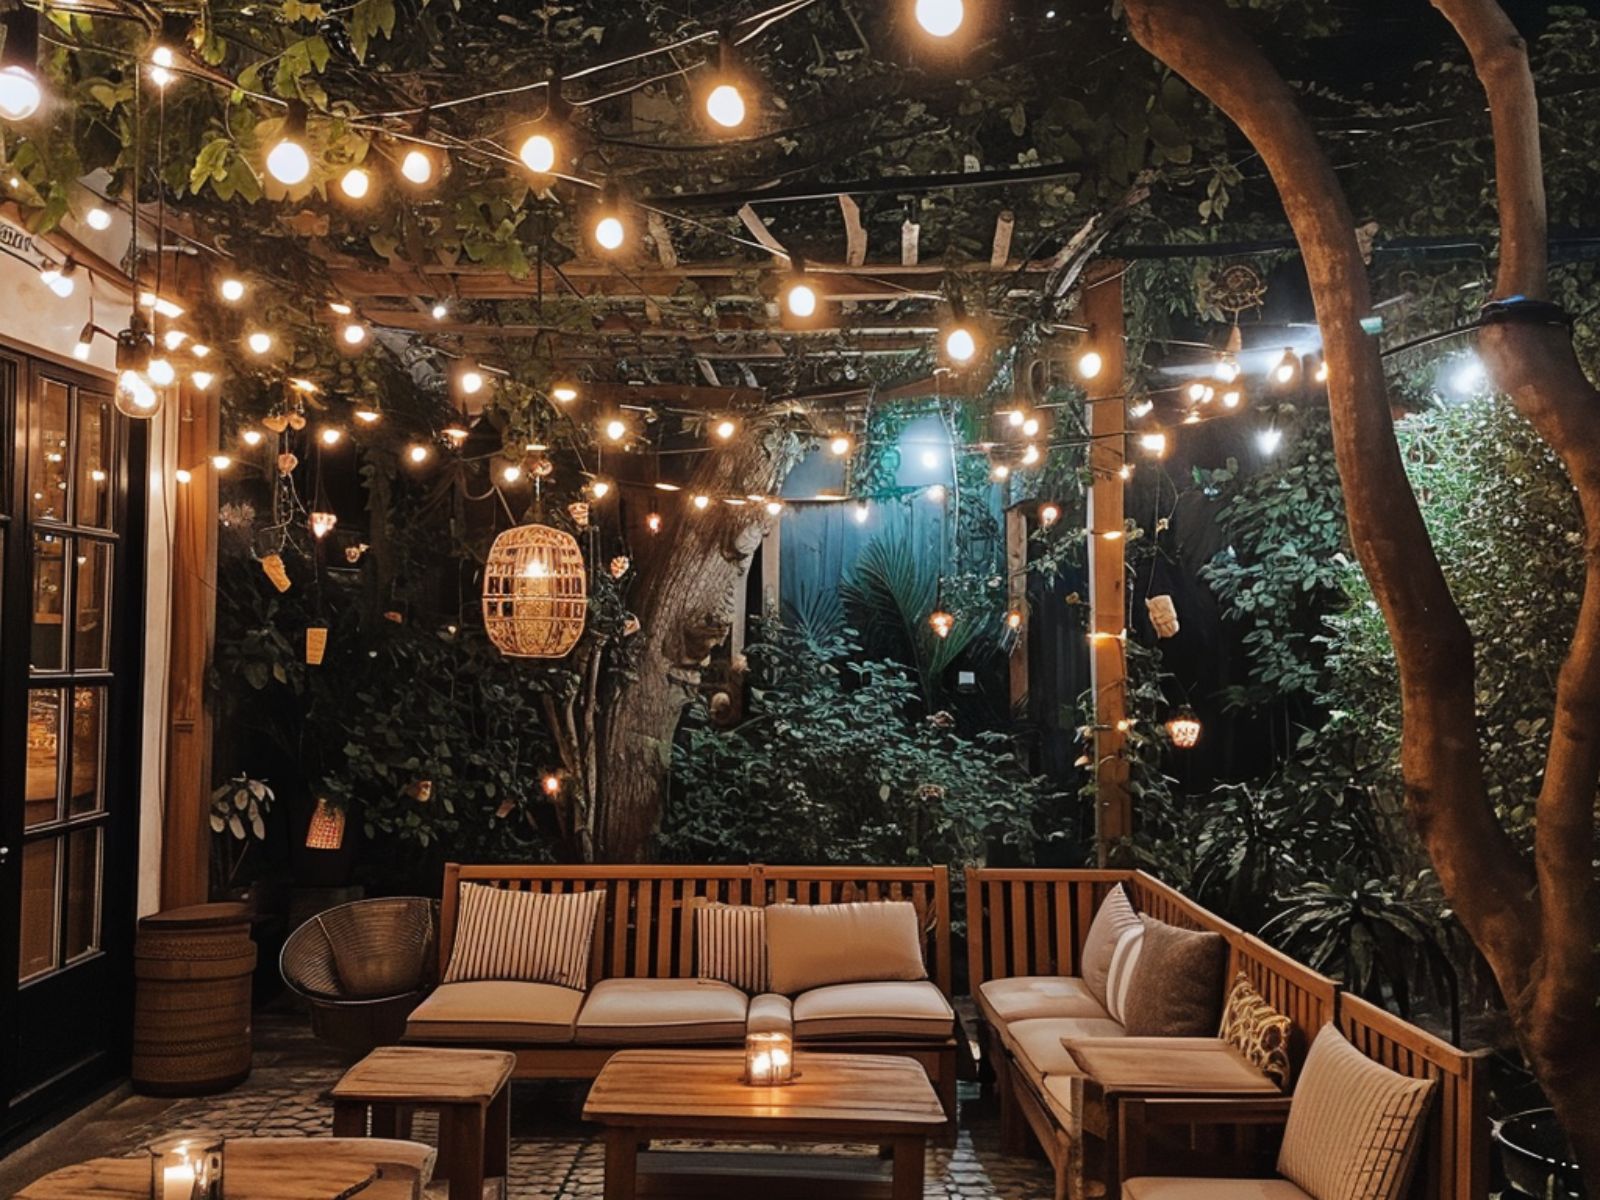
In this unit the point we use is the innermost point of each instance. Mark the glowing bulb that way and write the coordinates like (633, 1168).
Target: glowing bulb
(600, 488)
(725, 429)
(417, 454)
(1230, 399)
(417, 166)
(1030, 455)
(456, 433)
(725, 106)
(322, 524)
(161, 62)
(201, 379)
(930, 459)
(1153, 443)
(1197, 392)
(538, 154)
(368, 416)
(1141, 408)
(1125, 471)
(839, 445)
(551, 785)
(1284, 372)
(942, 623)
(563, 393)
(702, 502)
(1268, 440)
(1000, 472)
(160, 372)
(231, 290)
(1226, 370)
(653, 522)
(97, 218)
(1030, 427)
(221, 462)
(801, 300)
(356, 183)
(331, 436)
(182, 476)
(511, 473)
(1049, 514)
(288, 162)
(940, 18)
(439, 311)
(82, 350)
(353, 334)
(1016, 418)
(936, 493)
(1090, 364)
(199, 350)
(616, 430)
(861, 513)
(174, 338)
(259, 342)
(1322, 372)
(609, 233)
(960, 345)
(20, 94)
(1469, 377)
(251, 437)
(774, 507)
(1014, 619)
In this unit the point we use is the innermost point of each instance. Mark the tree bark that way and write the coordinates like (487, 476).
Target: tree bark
(1536, 927)
(687, 584)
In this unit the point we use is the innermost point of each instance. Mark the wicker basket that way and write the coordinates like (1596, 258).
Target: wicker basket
(535, 592)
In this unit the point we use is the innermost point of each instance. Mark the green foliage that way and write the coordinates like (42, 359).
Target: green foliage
(834, 765)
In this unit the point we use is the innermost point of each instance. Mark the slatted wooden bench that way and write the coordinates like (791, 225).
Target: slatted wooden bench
(646, 931)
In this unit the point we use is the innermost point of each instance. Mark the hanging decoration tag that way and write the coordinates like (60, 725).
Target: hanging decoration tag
(1163, 615)
(272, 564)
(316, 644)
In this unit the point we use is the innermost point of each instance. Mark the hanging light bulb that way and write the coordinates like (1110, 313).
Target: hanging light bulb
(1030, 427)
(287, 161)
(322, 524)
(1287, 366)
(960, 345)
(940, 18)
(356, 183)
(232, 290)
(1322, 372)
(367, 416)
(999, 472)
(85, 343)
(417, 165)
(1153, 444)
(174, 338)
(725, 105)
(59, 279)
(202, 380)
(331, 436)
(200, 350)
(799, 295)
(538, 153)
(97, 219)
(1016, 418)
(1090, 364)
(418, 454)
(220, 462)
(182, 476)
(773, 507)
(134, 396)
(353, 334)
(616, 429)
(456, 433)
(1014, 619)
(1049, 514)
(259, 342)
(563, 392)
(840, 445)
(510, 473)
(160, 372)
(1141, 408)
(1183, 727)
(942, 622)
(937, 493)
(861, 512)
(600, 488)
(1030, 455)
(701, 503)
(1231, 398)
(252, 437)
(20, 93)
(162, 60)
(725, 429)
(1269, 440)
(653, 522)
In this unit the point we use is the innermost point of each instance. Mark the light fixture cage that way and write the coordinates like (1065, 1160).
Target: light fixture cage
(535, 592)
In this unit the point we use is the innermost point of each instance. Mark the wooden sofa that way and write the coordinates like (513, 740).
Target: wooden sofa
(646, 933)
(1030, 925)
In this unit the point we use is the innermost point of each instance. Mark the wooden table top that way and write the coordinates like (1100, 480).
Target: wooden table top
(260, 1169)
(1169, 1066)
(426, 1075)
(701, 1090)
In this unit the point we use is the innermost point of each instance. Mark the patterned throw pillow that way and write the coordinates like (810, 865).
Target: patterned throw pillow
(1124, 963)
(1260, 1031)
(731, 945)
(528, 937)
(1354, 1125)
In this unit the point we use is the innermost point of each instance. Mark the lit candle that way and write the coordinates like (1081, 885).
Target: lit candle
(177, 1183)
(768, 1059)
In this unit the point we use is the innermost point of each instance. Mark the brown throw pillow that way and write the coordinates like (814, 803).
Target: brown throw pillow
(1114, 919)
(1176, 990)
(1259, 1031)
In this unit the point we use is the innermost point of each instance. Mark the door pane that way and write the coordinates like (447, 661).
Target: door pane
(40, 870)
(83, 892)
(44, 757)
(48, 453)
(91, 604)
(92, 495)
(85, 793)
(49, 598)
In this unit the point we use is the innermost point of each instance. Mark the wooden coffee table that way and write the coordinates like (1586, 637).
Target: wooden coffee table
(879, 1100)
(470, 1089)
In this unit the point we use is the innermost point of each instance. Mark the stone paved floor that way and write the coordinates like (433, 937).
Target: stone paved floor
(554, 1156)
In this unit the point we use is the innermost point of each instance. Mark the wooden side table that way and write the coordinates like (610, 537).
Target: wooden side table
(470, 1090)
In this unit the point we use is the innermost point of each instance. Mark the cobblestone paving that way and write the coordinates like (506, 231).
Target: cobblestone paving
(554, 1156)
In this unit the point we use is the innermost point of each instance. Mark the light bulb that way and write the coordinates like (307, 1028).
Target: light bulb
(1230, 399)
(1197, 392)
(1030, 427)
(960, 345)
(252, 437)
(616, 430)
(1153, 443)
(439, 311)
(1090, 364)
(511, 473)
(417, 166)
(259, 342)
(161, 61)
(1286, 367)
(356, 183)
(1322, 371)
(840, 445)
(471, 381)
(609, 233)
(1030, 454)
(135, 397)
(937, 493)
(725, 429)
(288, 162)
(861, 513)
(1226, 369)
(20, 94)
(231, 290)
(97, 218)
(220, 462)
(801, 300)
(1049, 514)
(563, 393)
(160, 372)
(200, 350)
(82, 349)
(417, 454)
(201, 379)
(182, 476)
(600, 489)
(538, 154)
(941, 18)
(331, 436)
(456, 433)
(1141, 408)
(173, 338)
(1016, 418)
(653, 522)
(1268, 440)
(702, 502)
(1014, 619)
(1000, 472)
(774, 507)
(368, 416)
(353, 334)
(551, 784)
(725, 106)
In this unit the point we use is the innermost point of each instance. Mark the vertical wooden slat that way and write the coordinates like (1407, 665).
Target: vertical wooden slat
(666, 910)
(1021, 962)
(1043, 953)
(998, 946)
(617, 934)
(1066, 941)
(644, 927)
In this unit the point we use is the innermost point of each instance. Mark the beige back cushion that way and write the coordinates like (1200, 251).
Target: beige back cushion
(814, 945)
(531, 937)
(1354, 1125)
(1177, 989)
(1115, 918)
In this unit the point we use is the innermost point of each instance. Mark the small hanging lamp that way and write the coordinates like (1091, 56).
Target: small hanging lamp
(535, 592)
(1183, 727)
(941, 621)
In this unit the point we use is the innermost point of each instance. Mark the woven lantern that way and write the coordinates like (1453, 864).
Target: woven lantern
(326, 831)
(535, 592)
(1183, 727)
(1163, 615)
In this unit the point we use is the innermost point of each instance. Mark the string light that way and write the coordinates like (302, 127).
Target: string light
(861, 513)
(1141, 408)
(563, 392)
(162, 61)
(356, 183)
(85, 343)
(1232, 398)
(59, 279)
(653, 522)
(182, 476)
(774, 507)
(252, 437)
(1014, 619)
(940, 18)
(937, 493)
(322, 524)
(417, 453)
(97, 219)
(200, 350)
(942, 622)
(538, 153)
(799, 296)
(417, 166)
(510, 473)
(1286, 368)
(470, 379)
(1322, 372)
(1049, 514)
(368, 416)
(1199, 393)
(840, 445)
(616, 429)
(600, 488)
(1016, 418)
(20, 93)
(1269, 440)
(1030, 455)
(1090, 364)
(1030, 427)
(353, 334)
(959, 345)
(231, 290)
(725, 105)
(439, 311)
(1154, 444)
(1183, 727)
(456, 433)
(331, 436)
(221, 462)
(999, 472)
(259, 342)
(701, 502)
(160, 372)
(551, 785)
(174, 338)
(725, 429)
(287, 161)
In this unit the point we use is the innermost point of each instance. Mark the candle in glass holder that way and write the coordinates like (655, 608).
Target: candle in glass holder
(768, 1059)
(186, 1167)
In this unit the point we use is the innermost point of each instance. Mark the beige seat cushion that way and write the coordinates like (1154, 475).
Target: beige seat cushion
(1063, 1096)
(905, 1009)
(496, 1012)
(814, 945)
(1354, 1124)
(1036, 1046)
(1030, 997)
(654, 1012)
(770, 1013)
(1211, 1189)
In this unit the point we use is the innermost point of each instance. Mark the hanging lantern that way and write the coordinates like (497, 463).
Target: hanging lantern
(942, 622)
(316, 644)
(535, 592)
(578, 510)
(272, 564)
(620, 565)
(420, 790)
(322, 523)
(1183, 727)
(1163, 615)
(326, 831)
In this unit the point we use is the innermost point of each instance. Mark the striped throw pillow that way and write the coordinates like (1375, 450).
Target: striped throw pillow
(1124, 960)
(1354, 1126)
(529, 937)
(731, 945)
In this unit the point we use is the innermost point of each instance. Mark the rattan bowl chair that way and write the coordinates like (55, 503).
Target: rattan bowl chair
(362, 967)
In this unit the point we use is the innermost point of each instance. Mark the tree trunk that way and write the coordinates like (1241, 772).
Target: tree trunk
(687, 584)
(1536, 927)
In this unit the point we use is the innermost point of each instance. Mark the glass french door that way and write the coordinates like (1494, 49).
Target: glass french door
(69, 764)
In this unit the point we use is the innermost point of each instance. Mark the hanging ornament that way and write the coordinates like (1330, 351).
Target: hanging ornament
(297, 421)
(630, 625)
(420, 790)
(316, 644)
(506, 808)
(322, 524)
(326, 831)
(277, 422)
(353, 553)
(941, 621)
(397, 617)
(272, 564)
(1183, 727)
(542, 468)
(287, 463)
(1163, 615)
(930, 792)
(535, 592)
(653, 522)
(579, 512)
(620, 565)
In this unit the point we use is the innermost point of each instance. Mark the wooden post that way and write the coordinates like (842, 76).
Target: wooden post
(185, 832)
(1107, 422)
